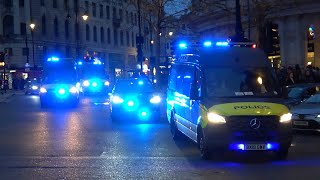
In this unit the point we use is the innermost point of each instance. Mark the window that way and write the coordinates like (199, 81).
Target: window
(66, 29)
(44, 25)
(86, 4)
(95, 33)
(115, 37)
(42, 3)
(56, 27)
(114, 13)
(101, 11)
(102, 34)
(55, 4)
(127, 16)
(128, 38)
(132, 39)
(8, 3)
(66, 4)
(21, 3)
(135, 18)
(8, 26)
(109, 36)
(87, 32)
(108, 12)
(23, 28)
(121, 38)
(76, 28)
(120, 14)
(94, 10)
(131, 17)
(75, 5)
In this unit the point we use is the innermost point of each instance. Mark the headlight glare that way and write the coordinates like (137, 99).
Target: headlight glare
(73, 90)
(34, 87)
(216, 119)
(43, 90)
(86, 83)
(107, 83)
(286, 118)
(155, 100)
(117, 100)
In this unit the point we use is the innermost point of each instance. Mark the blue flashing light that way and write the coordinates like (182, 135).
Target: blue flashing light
(80, 63)
(182, 45)
(140, 82)
(240, 146)
(55, 59)
(94, 84)
(130, 103)
(222, 44)
(272, 146)
(143, 113)
(207, 44)
(61, 91)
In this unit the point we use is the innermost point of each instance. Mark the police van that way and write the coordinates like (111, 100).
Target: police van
(225, 96)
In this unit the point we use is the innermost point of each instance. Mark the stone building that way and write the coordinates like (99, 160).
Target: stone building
(109, 32)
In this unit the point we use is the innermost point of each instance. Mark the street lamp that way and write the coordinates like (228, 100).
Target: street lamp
(32, 26)
(170, 33)
(85, 16)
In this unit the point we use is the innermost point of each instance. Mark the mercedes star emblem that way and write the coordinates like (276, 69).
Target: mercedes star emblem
(255, 123)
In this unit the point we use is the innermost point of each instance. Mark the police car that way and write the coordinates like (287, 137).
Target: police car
(134, 99)
(59, 85)
(225, 96)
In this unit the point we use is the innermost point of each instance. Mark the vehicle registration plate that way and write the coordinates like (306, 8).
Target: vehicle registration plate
(255, 147)
(301, 123)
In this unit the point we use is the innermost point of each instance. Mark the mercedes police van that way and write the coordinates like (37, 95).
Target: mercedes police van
(225, 96)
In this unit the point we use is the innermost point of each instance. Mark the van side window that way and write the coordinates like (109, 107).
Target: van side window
(198, 81)
(173, 76)
(188, 77)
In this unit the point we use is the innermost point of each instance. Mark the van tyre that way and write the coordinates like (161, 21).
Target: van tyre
(203, 146)
(176, 134)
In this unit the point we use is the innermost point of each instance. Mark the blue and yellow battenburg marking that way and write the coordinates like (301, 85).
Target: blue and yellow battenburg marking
(243, 109)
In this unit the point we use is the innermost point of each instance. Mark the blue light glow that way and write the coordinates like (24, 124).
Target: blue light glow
(94, 84)
(55, 59)
(240, 147)
(130, 103)
(61, 91)
(183, 45)
(140, 82)
(80, 63)
(143, 114)
(222, 44)
(207, 44)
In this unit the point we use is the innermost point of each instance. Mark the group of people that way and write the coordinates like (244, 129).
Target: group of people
(294, 75)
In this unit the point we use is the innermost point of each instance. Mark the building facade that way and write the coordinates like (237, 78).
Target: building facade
(109, 32)
(291, 29)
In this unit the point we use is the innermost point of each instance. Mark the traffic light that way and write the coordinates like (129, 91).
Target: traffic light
(2, 56)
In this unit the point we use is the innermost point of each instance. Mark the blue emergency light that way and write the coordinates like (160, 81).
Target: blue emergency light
(222, 44)
(182, 45)
(54, 59)
(80, 63)
(207, 44)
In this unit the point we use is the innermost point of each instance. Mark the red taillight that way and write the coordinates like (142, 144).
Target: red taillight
(254, 46)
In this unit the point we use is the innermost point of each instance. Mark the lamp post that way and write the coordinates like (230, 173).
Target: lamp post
(32, 26)
(85, 17)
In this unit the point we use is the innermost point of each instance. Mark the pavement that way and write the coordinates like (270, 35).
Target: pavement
(4, 97)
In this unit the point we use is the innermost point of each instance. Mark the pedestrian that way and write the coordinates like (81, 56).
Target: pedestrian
(297, 74)
(308, 77)
(290, 79)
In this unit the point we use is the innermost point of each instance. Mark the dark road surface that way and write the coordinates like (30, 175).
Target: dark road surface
(83, 143)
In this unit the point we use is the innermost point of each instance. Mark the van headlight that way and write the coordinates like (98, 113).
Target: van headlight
(286, 118)
(155, 100)
(34, 87)
(73, 90)
(117, 100)
(107, 83)
(43, 90)
(216, 119)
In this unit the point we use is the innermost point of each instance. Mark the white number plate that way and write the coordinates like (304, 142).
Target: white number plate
(255, 147)
(301, 123)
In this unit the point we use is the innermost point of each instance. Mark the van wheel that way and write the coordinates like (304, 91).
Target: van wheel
(203, 146)
(176, 134)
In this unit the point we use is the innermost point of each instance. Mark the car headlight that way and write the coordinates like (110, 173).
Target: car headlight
(318, 116)
(216, 119)
(155, 100)
(286, 118)
(107, 83)
(73, 90)
(34, 87)
(43, 90)
(117, 100)
(86, 83)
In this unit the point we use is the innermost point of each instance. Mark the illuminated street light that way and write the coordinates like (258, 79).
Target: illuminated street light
(152, 42)
(85, 16)
(32, 26)
(170, 33)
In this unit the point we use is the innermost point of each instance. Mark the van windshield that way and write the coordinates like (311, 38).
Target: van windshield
(235, 81)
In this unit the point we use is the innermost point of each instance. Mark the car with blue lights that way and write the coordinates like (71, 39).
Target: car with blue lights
(32, 87)
(225, 97)
(93, 77)
(134, 100)
(60, 83)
